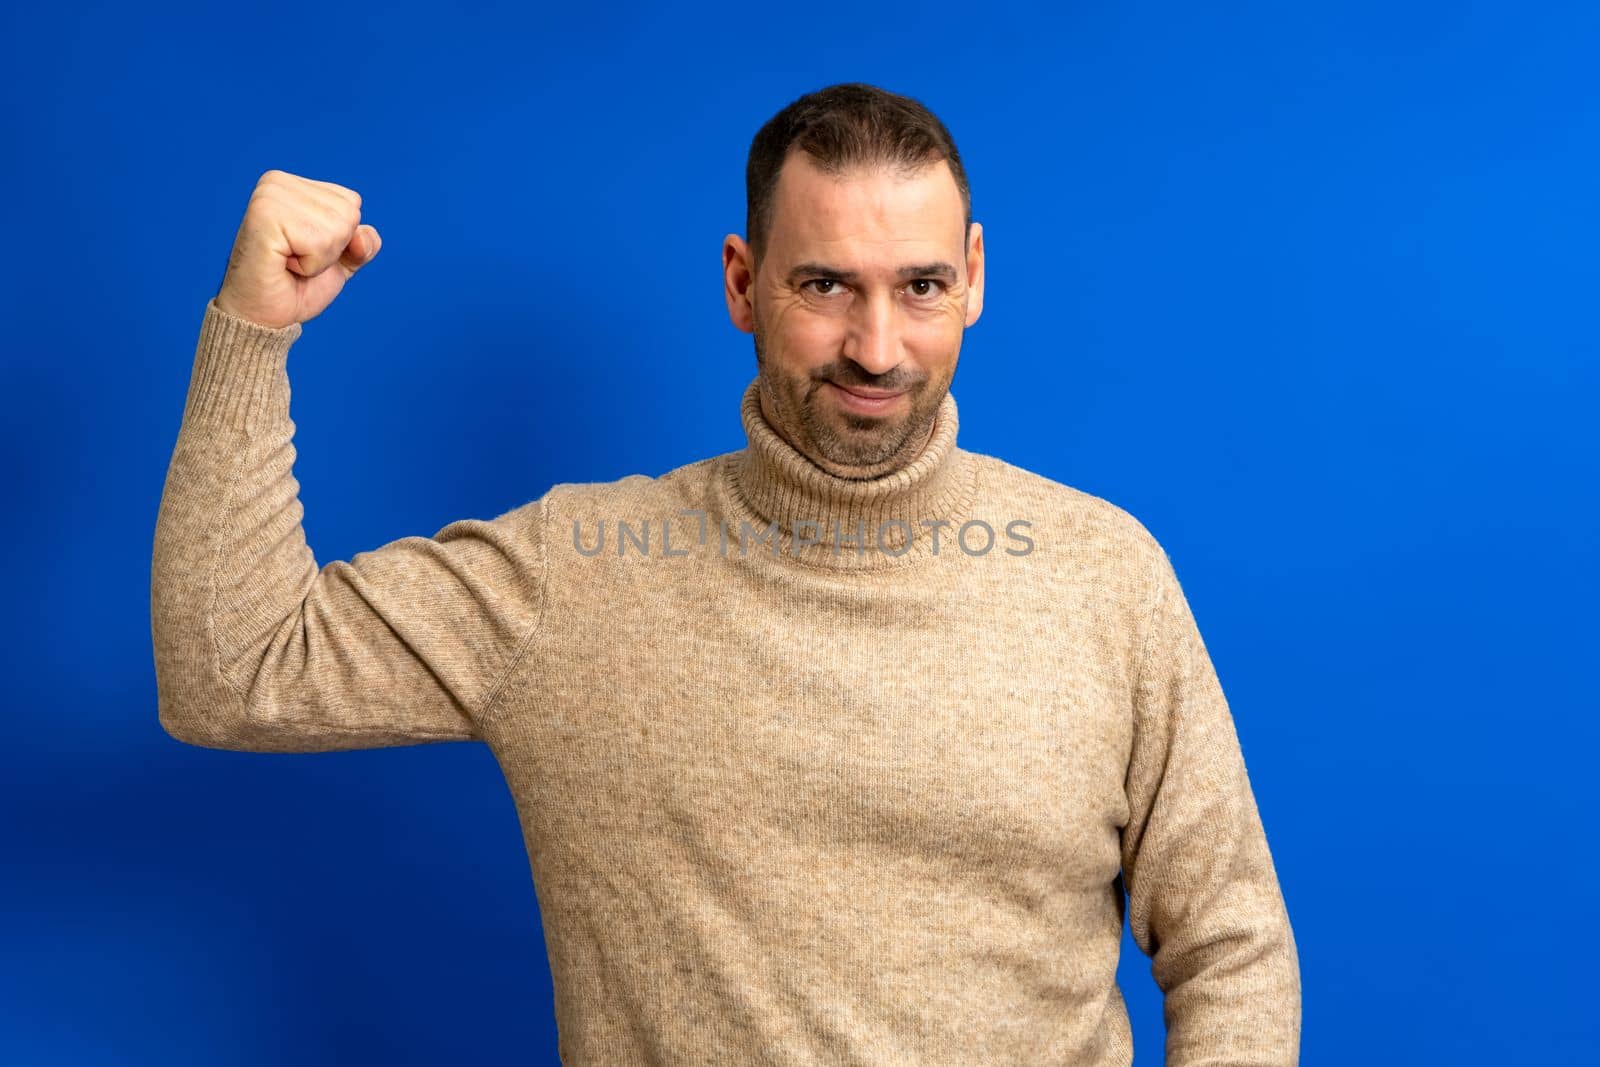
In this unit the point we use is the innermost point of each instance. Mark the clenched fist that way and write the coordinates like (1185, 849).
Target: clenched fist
(300, 241)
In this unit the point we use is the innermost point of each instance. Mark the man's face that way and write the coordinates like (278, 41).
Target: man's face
(858, 308)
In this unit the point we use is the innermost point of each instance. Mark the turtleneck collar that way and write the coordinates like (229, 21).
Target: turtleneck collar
(773, 482)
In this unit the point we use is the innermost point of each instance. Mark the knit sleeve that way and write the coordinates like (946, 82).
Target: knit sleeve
(259, 649)
(1204, 901)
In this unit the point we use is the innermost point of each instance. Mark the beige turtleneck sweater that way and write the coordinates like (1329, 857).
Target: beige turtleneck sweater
(788, 797)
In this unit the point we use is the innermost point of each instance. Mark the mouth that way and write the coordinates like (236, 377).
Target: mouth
(864, 401)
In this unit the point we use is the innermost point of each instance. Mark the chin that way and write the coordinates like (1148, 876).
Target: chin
(871, 425)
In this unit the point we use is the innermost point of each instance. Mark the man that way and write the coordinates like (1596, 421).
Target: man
(843, 747)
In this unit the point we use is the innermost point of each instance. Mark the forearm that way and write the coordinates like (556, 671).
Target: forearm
(229, 561)
(1231, 973)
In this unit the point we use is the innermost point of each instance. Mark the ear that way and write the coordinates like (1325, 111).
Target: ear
(738, 281)
(975, 273)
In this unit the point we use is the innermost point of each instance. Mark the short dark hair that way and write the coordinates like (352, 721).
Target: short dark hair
(843, 126)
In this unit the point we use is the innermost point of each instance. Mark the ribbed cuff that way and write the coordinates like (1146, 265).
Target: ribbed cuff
(240, 374)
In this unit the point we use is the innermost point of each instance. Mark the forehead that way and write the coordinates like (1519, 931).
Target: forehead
(865, 212)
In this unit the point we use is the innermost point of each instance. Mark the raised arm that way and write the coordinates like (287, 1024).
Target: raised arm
(257, 648)
(1204, 898)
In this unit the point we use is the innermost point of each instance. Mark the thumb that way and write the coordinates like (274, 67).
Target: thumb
(362, 247)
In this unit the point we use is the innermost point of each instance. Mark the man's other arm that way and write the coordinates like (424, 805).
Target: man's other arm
(1204, 900)
(257, 648)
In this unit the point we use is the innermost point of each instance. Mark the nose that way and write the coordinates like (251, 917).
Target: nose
(873, 337)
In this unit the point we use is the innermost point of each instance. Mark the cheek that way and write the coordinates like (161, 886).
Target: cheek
(939, 333)
(810, 338)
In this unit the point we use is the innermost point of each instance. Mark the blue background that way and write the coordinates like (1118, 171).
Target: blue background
(1309, 290)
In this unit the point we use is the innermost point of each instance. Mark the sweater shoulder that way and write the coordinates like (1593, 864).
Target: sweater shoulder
(684, 486)
(1063, 512)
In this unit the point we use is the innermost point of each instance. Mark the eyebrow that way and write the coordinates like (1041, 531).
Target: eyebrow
(939, 270)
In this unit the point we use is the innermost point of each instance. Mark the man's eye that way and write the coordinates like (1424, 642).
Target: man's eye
(921, 287)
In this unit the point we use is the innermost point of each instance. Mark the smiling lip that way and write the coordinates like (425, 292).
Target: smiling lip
(865, 401)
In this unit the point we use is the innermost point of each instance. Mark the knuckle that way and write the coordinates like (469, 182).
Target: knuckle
(261, 206)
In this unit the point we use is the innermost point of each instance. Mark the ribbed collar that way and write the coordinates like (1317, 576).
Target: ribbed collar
(772, 481)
